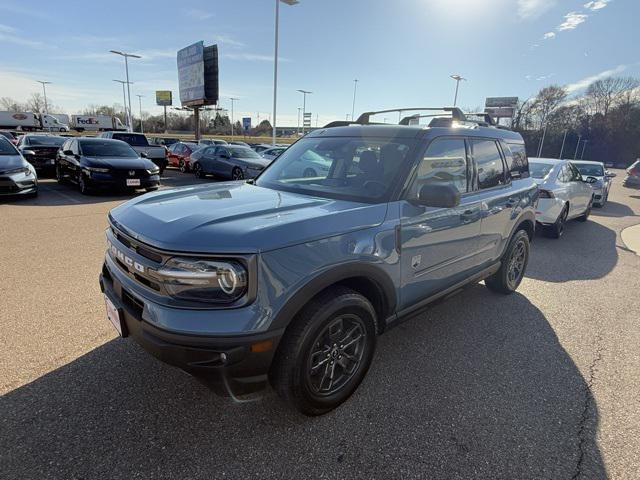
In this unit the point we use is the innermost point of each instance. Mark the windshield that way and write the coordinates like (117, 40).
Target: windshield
(107, 149)
(132, 139)
(539, 170)
(9, 135)
(45, 141)
(242, 152)
(6, 148)
(590, 170)
(351, 168)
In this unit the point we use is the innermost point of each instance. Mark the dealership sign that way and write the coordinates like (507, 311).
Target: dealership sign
(191, 74)
(164, 98)
(246, 123)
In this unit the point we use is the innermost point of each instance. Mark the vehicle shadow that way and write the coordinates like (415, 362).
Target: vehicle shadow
(613, 209)
(457, 392)
(586, 251)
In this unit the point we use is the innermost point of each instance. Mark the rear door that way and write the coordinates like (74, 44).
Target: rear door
(495, 194)
(439, 245)
(583, 190)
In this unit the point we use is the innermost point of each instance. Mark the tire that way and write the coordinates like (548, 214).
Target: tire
(557, 229)
(585, 216)
(59, 175)
(197, 170)
(514, 264)
(82, 185)
(183, 166)
(309, 173)
(237, 174)
(335, 315)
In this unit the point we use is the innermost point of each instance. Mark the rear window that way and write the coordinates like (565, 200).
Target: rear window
(540, 170)
(242, 152)
(44, 141)
(588, 170)
(517, 163)
(131, 139)
(6, 147)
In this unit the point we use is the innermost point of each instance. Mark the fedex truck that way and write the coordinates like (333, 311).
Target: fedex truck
(96, 123)
(29, 121)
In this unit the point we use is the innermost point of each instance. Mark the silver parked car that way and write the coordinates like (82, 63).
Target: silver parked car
(603, 184)
(563, 194)
(228, 161)
(632, 180)
(17, 176)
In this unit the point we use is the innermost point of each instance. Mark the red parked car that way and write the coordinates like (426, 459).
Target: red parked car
(179, 155)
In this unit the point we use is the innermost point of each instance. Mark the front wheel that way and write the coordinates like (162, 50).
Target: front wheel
(237, 174)
(82, 185)
(59, 175)
(557, 229)
(514, 263)
(197, 171)
(326, 352)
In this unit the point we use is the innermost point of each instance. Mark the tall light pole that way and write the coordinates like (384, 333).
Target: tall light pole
(298, 127)
(124, 102)
(304, 105)
(575, 155)
(140, 103)
(44, 90)
(275, 63)
(126, 67)
(458, 79)
(584, 145)
(233, 99)
(353, 105)
(564, 139)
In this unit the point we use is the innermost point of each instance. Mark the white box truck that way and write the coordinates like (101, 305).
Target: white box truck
(29, 121)
(96, 123)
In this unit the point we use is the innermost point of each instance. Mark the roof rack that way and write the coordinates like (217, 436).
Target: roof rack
(455, 112)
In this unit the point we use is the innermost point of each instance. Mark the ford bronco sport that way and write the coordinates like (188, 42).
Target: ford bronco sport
(288, 279)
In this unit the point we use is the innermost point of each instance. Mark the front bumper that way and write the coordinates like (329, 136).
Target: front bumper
(548, 210)
(18, 184)
(229, 365)
(107, 181)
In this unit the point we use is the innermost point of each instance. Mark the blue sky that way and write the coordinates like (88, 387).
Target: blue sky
(401, 51)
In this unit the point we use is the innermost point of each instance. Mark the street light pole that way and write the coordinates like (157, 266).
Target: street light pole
(544, 134)
(304, 106)
(124, 103)
(298, 127)
(126, 67)
(575, 155)
(563, 142)
(140, 102)
(353, 105)
(584, 145)
(44, 90)
(232, 122)
(458, 79)
(275, 63)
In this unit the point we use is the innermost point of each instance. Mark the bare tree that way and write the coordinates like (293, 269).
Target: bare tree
(35, 103)
(546, 101)
(9, 104)
(610, 92)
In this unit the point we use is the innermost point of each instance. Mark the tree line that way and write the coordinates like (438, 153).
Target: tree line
(602, 125)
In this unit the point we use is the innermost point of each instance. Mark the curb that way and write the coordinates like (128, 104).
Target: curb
(631, 238)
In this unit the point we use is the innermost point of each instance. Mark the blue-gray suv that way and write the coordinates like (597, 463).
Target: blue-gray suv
(289, 279)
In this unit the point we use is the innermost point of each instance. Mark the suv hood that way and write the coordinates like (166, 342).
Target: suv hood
(235, 217)
(120, 163)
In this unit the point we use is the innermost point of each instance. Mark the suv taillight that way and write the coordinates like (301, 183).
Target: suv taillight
(546, 194)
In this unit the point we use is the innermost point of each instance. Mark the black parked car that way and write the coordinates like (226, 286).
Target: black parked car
(40, 150)
(100, 163)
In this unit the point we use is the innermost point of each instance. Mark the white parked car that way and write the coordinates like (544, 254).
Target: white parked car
(602, 185)
(564, 195)
(272, 153)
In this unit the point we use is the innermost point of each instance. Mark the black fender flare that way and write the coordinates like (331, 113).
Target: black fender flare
(337, 274)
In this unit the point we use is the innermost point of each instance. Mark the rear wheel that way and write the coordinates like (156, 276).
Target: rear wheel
(237, 174)
(514, 263)
(557, 229)
(326, 352)
(197, 170)
(184, 168)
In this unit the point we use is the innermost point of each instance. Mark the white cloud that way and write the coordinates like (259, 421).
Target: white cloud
(532, 9)
(596, 4)
(549, 35)
(572, 20)
(6, 29)
(585, 82)
(197, 14)
(23, 42)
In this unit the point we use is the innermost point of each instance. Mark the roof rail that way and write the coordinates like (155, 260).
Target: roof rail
(486, 118)
(455, 112)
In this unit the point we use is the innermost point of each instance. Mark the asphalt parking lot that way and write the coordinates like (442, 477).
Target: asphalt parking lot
(544, 383)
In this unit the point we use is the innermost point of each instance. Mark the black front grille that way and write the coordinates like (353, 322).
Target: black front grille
(44, 152)
(137, 173)
(8, 189)
(132, 302)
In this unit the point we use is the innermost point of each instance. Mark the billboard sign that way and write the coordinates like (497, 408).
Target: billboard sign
(191, 74)
(499, 102)
(164, 98)
(246, 123)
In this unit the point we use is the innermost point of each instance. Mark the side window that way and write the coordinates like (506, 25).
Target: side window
(75, 147)
(444, 162)
(517, 164)
(575, 173)
(210, 151)
(65, 145)
(488, 163)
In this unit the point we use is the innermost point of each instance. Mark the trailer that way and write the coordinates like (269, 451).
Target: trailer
(29, 121)
(96, 123)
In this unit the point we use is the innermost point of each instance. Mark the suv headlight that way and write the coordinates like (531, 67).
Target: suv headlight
(96, 169)
(24, 170)
(199, 280)
(153, 171)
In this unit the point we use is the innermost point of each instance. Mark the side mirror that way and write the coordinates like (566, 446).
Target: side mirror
(67, 152)
(591, 180)
(28, 153)
(144, 155)
(442, 196)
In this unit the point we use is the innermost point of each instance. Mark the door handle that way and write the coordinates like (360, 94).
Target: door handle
(467, 216)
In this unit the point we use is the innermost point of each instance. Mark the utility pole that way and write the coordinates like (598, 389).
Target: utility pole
(575, 155)
(544, 134)
(298, 127)
(140, 103)
(233, 99)
(46, 107)
(563, 142)
(124, 105)
(458, 79)
(126, 67)
(353, 105)
(584, 145)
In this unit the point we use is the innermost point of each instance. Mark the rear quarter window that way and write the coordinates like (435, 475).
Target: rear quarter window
(517, 161)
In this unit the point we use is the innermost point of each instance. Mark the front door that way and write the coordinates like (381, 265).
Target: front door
(439, 245)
